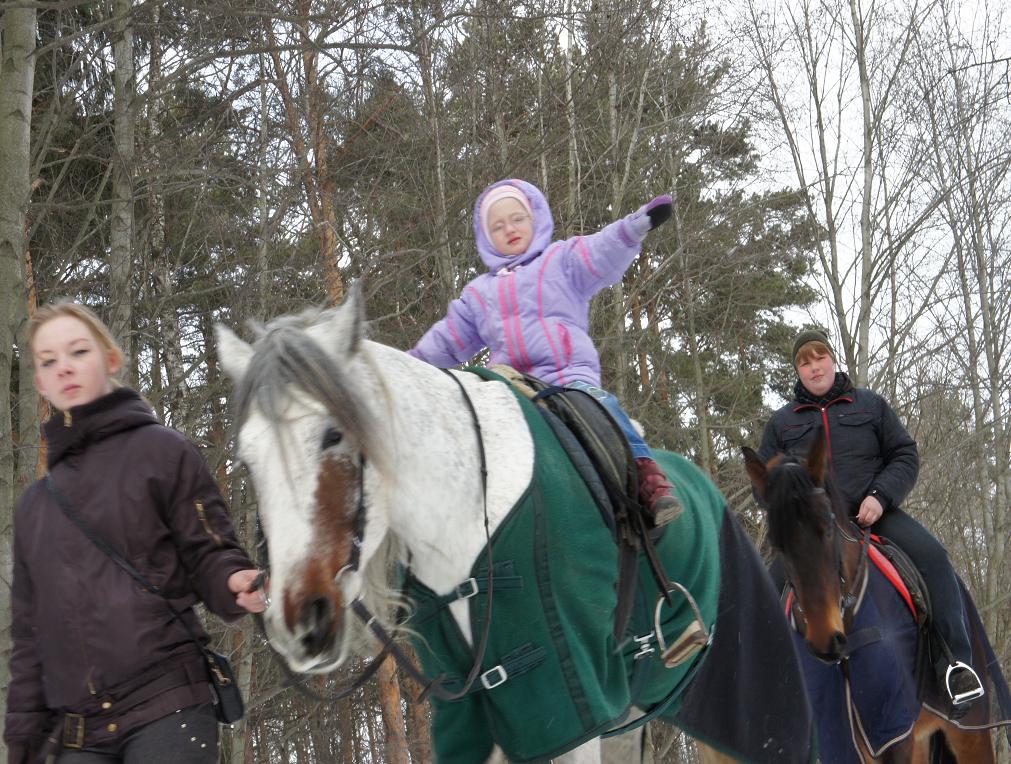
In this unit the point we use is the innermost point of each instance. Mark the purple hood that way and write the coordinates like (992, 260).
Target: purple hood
(544, 227)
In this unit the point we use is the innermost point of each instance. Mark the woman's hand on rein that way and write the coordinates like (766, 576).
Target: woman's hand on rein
(870, 511)
(242, 582)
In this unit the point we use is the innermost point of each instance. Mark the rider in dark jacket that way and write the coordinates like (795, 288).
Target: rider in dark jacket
(874, 464)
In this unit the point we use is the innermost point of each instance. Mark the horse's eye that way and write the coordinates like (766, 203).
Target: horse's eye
(332, 437)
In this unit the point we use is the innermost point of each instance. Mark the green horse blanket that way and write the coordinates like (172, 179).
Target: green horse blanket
(554, 676)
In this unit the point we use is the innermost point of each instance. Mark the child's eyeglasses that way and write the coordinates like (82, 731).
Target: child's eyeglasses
(514, 220)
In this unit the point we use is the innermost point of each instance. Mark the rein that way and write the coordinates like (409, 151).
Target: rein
(358, 607)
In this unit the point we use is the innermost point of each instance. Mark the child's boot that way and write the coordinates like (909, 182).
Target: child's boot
(655, 492)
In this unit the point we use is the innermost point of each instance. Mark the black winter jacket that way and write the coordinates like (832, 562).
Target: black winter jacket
(870, 451)
(86, 638)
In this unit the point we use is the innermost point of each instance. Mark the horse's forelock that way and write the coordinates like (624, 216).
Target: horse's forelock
(788, 491)
(789, 496)
(286, 356)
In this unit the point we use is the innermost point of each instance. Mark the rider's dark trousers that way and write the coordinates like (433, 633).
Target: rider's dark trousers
(931, 559)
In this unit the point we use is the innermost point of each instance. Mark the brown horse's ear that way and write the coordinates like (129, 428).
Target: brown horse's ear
(817, 458)
(756, 471)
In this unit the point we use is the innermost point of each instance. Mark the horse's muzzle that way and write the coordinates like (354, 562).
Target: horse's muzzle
(836, 650)
(318, 626)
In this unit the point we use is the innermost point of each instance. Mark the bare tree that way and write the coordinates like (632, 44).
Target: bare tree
(964, 102)
(853, 61)
(17, 73)
(122, 233)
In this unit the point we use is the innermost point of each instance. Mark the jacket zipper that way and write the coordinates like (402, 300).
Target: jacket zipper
(828, 433)
(207, 526)
(68, 419)
(824, 420)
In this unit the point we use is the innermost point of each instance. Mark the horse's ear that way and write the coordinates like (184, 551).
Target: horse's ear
(233, 353)
(756, 471)
(817, 458)
(350, 319)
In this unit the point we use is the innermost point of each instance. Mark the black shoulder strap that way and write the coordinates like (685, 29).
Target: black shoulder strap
(115, 556)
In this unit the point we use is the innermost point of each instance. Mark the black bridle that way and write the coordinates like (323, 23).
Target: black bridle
(849, 597)
(429, 685)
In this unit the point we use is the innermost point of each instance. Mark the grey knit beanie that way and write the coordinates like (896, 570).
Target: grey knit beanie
(811, 335)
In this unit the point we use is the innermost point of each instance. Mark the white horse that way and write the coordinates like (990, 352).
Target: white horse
(330, 424)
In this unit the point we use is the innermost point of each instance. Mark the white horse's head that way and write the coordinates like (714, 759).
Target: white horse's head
(316, 451)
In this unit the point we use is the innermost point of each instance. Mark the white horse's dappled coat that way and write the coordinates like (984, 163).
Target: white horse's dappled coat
(422, 476)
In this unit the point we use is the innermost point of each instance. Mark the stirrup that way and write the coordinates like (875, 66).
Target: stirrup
(694, 638)
(958, 698)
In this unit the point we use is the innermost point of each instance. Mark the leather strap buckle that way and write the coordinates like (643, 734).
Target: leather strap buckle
(73, 731)
(467, 589)
(493, 677)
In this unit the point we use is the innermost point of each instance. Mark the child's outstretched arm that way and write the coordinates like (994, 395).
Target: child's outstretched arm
(599, 260)
(452, 340)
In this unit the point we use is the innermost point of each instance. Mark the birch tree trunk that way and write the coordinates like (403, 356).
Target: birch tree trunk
(17, 76)
(122, 223)
(572, 205)
(263, 177)
(33, 409)
(867, 117)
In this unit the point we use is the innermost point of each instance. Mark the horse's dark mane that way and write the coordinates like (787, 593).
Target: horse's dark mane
(788, 492)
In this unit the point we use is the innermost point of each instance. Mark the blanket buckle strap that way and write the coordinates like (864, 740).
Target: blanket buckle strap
(494, 676)
(467, 589)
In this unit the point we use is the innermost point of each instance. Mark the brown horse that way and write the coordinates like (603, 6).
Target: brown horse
(823, 554)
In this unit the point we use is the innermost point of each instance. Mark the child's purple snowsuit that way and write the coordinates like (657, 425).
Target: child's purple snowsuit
(532, 310)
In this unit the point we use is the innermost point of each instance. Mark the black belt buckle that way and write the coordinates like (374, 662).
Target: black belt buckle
(73, 731)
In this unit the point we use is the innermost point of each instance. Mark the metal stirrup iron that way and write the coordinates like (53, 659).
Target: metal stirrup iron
(958, 698)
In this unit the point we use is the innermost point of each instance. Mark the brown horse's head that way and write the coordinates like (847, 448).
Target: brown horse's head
(805, 529)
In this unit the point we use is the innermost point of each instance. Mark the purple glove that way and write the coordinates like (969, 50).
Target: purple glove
(659, 210)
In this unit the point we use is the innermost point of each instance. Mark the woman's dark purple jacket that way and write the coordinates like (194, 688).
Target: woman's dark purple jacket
(86, 638)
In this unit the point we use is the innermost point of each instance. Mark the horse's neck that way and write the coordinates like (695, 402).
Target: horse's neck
(435, 500)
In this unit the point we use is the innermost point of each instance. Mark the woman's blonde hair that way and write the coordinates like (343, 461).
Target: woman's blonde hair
(83, 314)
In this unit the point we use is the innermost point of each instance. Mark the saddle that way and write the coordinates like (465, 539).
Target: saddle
(593, 441)
(900, 571)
